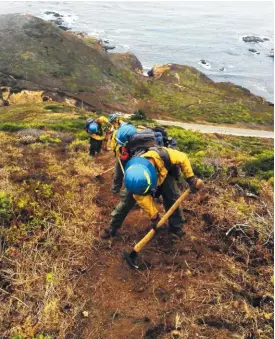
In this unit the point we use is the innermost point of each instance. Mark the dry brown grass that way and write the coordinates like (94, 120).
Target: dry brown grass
(46, 246)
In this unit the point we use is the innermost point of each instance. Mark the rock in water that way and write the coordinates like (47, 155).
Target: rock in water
(253, 50)
(205, 64)
(253, 38)
(64, 28)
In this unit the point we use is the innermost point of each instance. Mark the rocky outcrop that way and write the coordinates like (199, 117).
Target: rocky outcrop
(253, 38)
(127, 60)
(157, 71)
(34, 55)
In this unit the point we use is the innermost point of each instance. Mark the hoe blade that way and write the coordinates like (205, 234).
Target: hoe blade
(131, 259)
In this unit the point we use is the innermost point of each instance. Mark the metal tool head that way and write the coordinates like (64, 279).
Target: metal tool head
(131, 259)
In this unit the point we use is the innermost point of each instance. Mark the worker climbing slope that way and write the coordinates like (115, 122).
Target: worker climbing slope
(95, 129)
(147, 175)
(118, 176)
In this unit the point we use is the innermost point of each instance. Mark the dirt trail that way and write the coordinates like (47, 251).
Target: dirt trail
(169, 299)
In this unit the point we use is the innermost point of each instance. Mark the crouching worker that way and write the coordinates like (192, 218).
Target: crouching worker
(94, 128)
(146, 174)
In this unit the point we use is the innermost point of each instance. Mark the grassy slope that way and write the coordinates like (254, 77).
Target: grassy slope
(50, 219)
(189, 95)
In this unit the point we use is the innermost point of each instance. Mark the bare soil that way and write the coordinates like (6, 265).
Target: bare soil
(195, 287)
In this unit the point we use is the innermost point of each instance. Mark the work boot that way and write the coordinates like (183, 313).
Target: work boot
(177, 231)
(108, 233)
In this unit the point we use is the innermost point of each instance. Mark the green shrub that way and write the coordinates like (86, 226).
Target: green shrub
(45, 138)
(202, 170)
(12, 126)
(263, 162)
(5, 208)
(187, 141)
(251, 184)
(139, 114)
(78, 145)
(58, 109)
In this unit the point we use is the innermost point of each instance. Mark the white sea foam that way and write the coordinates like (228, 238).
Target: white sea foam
(206, 66)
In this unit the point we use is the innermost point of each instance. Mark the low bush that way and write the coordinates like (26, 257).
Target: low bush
(45, 138)
(5, 208)
(261, 164)
(57, 109)
(139, 114)
(251, 184)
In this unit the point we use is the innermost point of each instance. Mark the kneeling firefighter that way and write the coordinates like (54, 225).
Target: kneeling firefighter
(147, 174)
(94, 128)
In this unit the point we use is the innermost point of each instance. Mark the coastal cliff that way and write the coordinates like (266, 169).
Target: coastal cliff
(37, 55)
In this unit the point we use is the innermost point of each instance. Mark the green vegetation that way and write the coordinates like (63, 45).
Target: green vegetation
(57, 108)
(139, 115)
(50, 222)
(210, 154)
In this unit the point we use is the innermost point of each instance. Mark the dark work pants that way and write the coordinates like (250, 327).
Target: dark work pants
(95, 146)
(170, 193)
(118, 176)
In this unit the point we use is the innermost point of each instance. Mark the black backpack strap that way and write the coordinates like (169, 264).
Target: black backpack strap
(164, 156)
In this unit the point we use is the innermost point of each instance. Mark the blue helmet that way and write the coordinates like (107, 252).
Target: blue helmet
(124, 133)
(140, 176)
(112, 117)
(93, 127)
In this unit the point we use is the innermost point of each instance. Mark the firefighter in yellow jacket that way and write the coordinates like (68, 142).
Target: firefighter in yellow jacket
(118, 176)
(153, 172)
(95, 129)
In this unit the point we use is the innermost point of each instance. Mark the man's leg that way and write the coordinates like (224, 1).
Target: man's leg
(98, 146)
(127, 202)
(170, 193)
(92, 147)
(118, 178)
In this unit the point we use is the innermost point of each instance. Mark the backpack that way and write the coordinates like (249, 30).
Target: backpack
(88, 122)
(168, 142)
(141, 141)
(161, 130)
(171, 143)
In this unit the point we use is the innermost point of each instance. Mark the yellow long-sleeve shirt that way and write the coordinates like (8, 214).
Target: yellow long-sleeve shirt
(103, 122)
(113, 145)
(176, 158)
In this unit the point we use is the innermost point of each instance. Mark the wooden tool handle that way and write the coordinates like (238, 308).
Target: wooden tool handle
(139, 246)
(108, 170)
(118, 158)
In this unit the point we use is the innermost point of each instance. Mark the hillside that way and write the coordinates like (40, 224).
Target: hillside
(35, 54)
(215, 283)
(58, 279)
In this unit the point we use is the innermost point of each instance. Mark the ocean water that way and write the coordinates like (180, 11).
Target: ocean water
(178, 32)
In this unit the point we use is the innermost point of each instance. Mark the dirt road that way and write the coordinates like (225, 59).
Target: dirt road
(242, 132)
(220, 129)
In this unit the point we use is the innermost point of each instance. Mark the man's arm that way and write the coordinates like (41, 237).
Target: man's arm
(181, 159)
(147, 203)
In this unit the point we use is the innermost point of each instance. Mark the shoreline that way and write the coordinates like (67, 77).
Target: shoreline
(104, 41)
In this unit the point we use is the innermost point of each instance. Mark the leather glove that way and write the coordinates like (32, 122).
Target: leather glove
(192, 182)
(154, 222)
